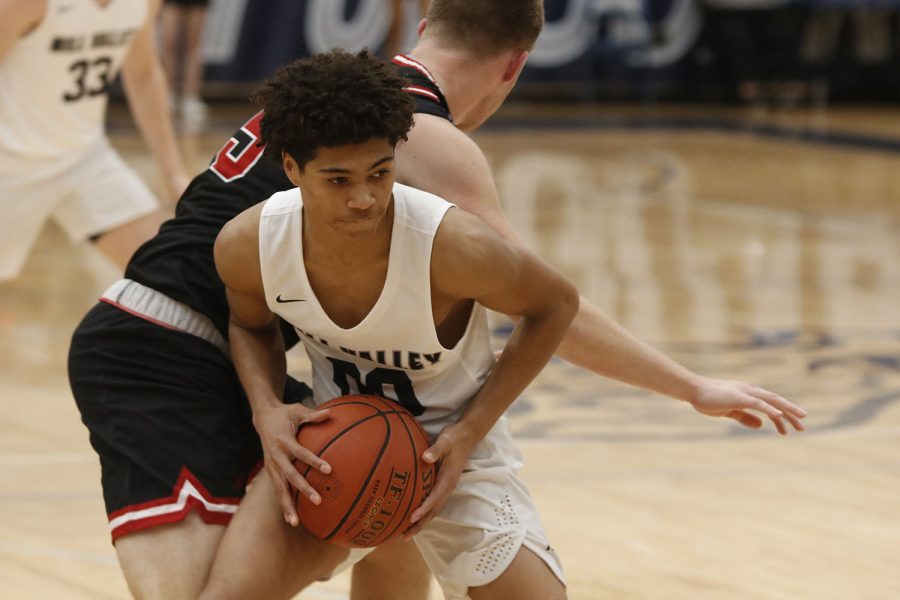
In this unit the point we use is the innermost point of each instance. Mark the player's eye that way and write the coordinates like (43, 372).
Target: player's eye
(381, 173)
(337, 180)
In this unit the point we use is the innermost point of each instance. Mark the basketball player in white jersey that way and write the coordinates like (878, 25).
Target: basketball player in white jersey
(466, 61)
(58, 59)
(388, 287)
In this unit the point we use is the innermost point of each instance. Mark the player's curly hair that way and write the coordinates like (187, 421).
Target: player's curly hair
(332, 99)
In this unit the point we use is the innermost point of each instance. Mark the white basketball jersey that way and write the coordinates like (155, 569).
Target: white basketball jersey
(54, 82)
(394, 351)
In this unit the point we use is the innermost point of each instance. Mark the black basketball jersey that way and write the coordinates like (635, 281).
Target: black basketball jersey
(179, 262)
(422, 87)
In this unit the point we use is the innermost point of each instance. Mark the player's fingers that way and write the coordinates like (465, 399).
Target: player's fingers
(301, 414)
(412, 531)
(746, 419)
(307, 456)
(435, 500)
(303, 487)
(779, 402)
(427, 506)
(764, 407)
(442, 445)
(794, 420)
(299, 482)
(779, 425)
(285, 498)
(431, 502)
(318, 416)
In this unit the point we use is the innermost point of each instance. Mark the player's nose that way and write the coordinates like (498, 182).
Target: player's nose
(361, 199)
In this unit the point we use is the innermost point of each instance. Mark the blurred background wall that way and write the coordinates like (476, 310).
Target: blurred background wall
(824, 50)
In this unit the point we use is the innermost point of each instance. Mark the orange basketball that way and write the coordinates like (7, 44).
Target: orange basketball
(378, 478)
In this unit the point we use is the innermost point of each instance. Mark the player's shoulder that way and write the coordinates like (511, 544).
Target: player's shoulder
(280, 203)
(417, 209)
(243, 228)
(468, 258)
(416, 195)
(236, 250)
(438, 137)
(465, 238)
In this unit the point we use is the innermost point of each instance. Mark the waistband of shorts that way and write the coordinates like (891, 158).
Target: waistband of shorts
(155, 307)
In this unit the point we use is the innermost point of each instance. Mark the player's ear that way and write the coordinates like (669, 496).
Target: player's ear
(514, 66)
(291, 168)
(421, 29)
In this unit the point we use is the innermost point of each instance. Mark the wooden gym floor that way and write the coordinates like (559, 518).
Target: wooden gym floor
(752, 245)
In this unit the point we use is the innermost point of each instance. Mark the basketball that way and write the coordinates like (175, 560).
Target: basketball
(378, 478)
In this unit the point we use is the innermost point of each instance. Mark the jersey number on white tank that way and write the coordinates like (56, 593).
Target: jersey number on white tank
(374, 383)
(91, 78)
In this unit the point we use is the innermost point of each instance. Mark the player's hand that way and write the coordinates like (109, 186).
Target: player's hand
(277, 427)
(451, 450)
(735, 400)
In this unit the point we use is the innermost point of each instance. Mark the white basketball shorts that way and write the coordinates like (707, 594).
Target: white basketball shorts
(86, 195)
(485, 522)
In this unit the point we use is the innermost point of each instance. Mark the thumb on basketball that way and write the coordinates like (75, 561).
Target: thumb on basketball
(437, 451)
(301, 414)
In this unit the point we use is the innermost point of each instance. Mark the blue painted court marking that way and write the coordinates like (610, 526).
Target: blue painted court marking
(856, 141)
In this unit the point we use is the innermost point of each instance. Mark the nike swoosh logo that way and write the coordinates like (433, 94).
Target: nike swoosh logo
(280, 301)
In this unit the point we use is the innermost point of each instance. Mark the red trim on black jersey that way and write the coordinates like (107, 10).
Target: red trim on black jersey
(421, 85)
(420, 91)
(187, 494)
(406, 61)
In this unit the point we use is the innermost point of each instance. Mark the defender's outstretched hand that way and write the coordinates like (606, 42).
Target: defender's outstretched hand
(735, 400)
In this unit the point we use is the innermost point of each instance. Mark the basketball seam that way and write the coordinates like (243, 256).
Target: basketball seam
(362, 488)
(383, 413)
(343, 432)
(415, 470)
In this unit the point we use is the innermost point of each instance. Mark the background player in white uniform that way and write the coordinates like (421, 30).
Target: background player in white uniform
(57, 61)
(355, 265)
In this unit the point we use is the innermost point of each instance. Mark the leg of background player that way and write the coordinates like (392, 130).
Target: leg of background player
(395, 571)
(170, 562)
(120, 243)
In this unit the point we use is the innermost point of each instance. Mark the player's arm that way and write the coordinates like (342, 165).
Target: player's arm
(469, 261)
(145, 86)
(257, 349)
(17, 18)
(442, 160)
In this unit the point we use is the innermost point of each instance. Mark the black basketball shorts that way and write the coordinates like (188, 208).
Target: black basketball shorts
(167, 417)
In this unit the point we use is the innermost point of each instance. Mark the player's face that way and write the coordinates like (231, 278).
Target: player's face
(348, 187)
